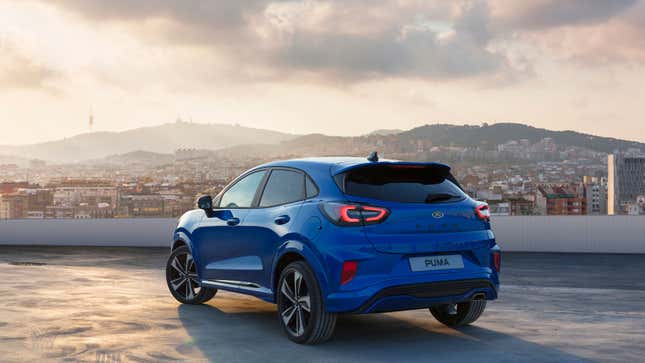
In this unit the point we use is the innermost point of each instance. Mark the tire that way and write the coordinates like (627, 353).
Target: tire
(182, 280)
(466, 313)
(301, 313)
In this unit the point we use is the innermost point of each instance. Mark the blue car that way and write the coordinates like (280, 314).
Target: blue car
(324, 236)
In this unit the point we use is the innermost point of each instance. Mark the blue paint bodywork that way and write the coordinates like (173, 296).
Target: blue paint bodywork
(250, 252)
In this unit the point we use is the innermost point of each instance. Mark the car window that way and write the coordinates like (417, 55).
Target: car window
(284, 186)
(311, 188)
(405, 184)
(241, 194)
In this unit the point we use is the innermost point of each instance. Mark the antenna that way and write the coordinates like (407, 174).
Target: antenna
(373, 157)
(91, 119)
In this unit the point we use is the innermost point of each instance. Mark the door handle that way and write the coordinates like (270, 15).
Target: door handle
(282, 220)
(233, 221)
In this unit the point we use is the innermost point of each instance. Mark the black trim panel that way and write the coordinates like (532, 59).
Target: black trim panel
(429, 290)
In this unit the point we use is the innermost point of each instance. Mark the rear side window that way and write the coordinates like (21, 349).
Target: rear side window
(312, 189)
(283, 186)
(402, 183)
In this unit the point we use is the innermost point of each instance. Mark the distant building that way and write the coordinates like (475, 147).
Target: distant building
(626, 181)
(59, 212)
(24, 203)
(12, 206)
(633, 209)
(75, 195)
(12, 187)
(35, 215)
(521, 207)
(142, 205)
(489, 195)
(636, 208)
(500, 209)
(560, 200)
(595, 192)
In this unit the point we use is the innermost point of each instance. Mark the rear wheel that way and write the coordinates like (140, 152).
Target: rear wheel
(300, 306)
(458, 314)
(182, 280)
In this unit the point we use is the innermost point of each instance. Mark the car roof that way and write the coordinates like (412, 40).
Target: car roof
(339, 164)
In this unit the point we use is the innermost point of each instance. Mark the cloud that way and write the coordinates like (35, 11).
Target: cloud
(544, 14)
(583, 32)
(355, 40)
(19, 71)
(341, 40)
(417, 49)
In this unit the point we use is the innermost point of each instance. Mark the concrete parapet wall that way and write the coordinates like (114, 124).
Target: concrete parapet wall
(592, 234)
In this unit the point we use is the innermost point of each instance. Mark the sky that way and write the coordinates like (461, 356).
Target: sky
(343, 67)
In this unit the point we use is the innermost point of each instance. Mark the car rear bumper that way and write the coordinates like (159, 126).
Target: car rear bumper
(387, 282)
(406, 297)
(411, 295)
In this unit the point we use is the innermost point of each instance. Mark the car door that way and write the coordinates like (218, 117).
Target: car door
(220, 238)
(272, 222)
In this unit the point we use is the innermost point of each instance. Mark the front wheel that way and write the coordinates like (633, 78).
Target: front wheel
(182, 280)
(300, 306)
(460, 314)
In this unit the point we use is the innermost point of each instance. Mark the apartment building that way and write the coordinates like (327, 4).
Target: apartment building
(626, 182)
(560, 200)
(595, 192)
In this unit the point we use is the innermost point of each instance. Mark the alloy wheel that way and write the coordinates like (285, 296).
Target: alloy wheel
(183, 276)
(295, 311)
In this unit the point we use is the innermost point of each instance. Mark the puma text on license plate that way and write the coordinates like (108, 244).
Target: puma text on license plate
(429, 263)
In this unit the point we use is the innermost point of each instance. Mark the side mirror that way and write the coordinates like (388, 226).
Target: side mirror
(205, 202)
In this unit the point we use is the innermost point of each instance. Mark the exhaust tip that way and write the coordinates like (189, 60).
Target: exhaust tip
(479, 296)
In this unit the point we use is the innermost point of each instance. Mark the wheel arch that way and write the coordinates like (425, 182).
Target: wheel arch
(178, 243)
(181, 238)
(297, 251)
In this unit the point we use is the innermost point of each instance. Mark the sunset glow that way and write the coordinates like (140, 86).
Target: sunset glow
(334, 67)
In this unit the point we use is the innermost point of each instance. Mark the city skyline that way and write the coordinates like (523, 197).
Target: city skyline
(308, 67)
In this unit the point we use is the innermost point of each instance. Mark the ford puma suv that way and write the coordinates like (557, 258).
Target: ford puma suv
(324, 236)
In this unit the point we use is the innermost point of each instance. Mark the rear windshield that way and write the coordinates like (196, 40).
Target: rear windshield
(402, 183)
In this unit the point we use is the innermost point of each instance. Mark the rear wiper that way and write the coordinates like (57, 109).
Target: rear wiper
(431, 198)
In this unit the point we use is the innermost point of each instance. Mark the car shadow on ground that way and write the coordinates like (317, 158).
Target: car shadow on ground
(222, 335)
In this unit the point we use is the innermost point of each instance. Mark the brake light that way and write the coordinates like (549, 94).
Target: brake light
(350, 214)
(353, 214)
(497, 260)
(483, 212)
(373, 214)
(348, 272)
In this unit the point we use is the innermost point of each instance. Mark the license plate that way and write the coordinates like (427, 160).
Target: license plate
(431, 263)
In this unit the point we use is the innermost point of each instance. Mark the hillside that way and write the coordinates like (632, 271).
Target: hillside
(492, 135)
(158, 139)
(156, 144)
(137, 157)
(405, 144)
(384, 132)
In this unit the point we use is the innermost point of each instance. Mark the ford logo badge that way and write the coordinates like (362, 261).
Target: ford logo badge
(437, 214)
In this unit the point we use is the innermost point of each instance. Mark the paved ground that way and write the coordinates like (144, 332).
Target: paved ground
(111, 305)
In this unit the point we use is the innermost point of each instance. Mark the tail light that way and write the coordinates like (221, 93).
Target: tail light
(354, 214)
(497, 260)
(373, 214)
(483, 212)
(348, 272)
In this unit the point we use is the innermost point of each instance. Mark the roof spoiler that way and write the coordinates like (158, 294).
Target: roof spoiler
(438, 168)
